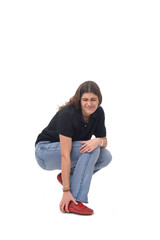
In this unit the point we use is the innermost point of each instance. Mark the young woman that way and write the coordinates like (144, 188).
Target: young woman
(66, 144)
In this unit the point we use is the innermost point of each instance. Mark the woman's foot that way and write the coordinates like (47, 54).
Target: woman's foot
(79, 209)
(73, 208)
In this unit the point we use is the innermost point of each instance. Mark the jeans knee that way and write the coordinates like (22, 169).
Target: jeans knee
(96, 152)
(106, 156)
(40, 162)
(109, 157)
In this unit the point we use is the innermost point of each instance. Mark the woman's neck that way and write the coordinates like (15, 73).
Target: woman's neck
(86, 118)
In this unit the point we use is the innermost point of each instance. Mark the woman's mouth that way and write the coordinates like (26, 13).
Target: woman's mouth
(89, 108)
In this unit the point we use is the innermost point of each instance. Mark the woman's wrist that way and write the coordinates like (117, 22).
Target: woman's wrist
(66, 190)
(100, 142)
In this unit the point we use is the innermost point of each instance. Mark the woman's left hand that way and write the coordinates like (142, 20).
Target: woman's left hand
(89, 146)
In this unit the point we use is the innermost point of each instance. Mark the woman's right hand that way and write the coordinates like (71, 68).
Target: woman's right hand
(66, 199)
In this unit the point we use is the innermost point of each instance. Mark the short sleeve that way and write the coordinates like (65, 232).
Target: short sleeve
(65, 125)
(100, 130)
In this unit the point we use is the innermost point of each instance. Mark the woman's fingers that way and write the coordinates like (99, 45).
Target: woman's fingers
(83, 150)
(86, 149)
(62, 208)
(66, 208)
(74, 201)
(87, 146)
(84, 145)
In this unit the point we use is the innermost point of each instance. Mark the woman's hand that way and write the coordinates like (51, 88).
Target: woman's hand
(66, 199)
(89, 146)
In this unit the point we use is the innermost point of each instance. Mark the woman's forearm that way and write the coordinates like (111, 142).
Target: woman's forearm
(65, 167)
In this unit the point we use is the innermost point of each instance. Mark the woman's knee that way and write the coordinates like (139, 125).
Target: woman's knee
(40, 162)
(48, 156)
(106, 155)
(95, 154)
(48, 164)
(97, 151)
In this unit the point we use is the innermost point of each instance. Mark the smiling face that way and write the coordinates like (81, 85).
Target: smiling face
(89, 104)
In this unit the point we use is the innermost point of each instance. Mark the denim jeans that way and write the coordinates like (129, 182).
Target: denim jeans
(83, 166)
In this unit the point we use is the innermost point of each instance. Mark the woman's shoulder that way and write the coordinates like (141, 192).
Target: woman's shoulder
(100, 110)
(67, 110)
(98, 113)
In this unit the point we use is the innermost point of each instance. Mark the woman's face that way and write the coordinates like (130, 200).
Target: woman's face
(89, 103)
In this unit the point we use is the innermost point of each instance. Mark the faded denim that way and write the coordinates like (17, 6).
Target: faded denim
(83, 166)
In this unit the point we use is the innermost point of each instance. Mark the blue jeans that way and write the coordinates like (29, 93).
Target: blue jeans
(83, 166)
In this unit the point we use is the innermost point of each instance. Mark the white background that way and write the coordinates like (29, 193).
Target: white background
(47, 49)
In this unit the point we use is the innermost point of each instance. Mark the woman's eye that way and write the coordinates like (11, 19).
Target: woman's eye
(85, 100)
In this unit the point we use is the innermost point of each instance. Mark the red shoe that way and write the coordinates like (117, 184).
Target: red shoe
(59, 178)
(79, 209)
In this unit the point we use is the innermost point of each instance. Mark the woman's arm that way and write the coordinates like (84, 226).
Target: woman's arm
(66, 145)
(102, 142)
(90, 145)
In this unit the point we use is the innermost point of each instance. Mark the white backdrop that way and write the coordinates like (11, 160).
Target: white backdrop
(48, 48)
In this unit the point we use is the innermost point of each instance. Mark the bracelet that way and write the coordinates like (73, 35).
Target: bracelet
(101, 142)
(66, 190)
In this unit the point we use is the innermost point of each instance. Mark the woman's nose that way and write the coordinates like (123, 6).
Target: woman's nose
(89, 103)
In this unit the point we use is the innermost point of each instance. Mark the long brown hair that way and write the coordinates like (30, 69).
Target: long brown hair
(86, 87)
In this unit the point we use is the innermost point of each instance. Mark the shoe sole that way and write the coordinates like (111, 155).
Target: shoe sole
(86, 214)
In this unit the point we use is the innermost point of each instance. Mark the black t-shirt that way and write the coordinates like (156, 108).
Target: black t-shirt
(69, 122)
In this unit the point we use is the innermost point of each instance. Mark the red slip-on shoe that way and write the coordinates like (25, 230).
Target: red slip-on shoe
(79, 209)
(59, 178)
